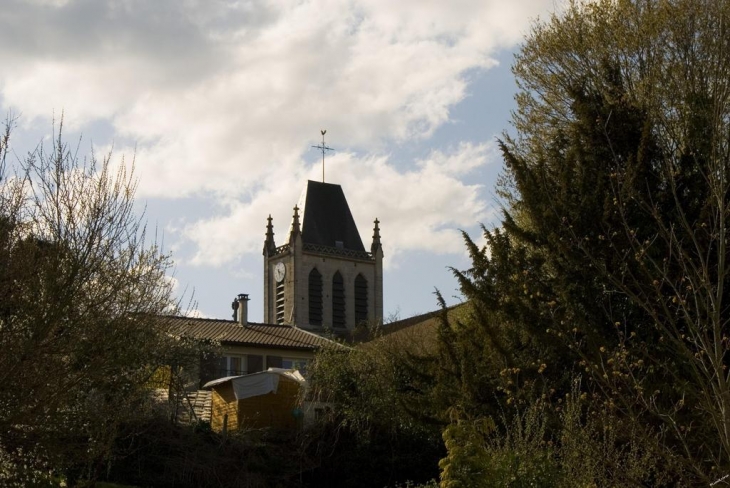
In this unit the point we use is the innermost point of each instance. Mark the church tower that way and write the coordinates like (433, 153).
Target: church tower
(323, 278)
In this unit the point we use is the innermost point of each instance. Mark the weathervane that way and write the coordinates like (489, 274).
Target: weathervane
(324, 149)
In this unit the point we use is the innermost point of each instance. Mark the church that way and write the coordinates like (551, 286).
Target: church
(319, 283)
(322, 278)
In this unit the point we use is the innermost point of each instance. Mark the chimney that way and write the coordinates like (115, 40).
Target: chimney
(242, 309)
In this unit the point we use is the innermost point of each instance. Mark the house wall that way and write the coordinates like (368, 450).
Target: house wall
(268, 351)
(211, 370)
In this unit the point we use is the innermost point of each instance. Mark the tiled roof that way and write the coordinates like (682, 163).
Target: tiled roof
(253, 334)
(420, 331)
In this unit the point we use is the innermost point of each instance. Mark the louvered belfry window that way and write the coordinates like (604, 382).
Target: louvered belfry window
(338, 301)
(280, 303)
(315, 297)
(361, 299)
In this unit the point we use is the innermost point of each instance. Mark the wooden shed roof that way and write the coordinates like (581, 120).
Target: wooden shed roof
(253, 334)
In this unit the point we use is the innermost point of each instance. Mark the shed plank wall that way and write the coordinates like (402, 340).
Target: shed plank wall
(223, 403)
(270, 410)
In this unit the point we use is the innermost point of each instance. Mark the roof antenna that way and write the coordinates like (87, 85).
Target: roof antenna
(324, 149)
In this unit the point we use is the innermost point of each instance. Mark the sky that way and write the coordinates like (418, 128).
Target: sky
(219, 102)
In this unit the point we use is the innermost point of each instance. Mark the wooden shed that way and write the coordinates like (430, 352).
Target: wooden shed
(267, 399)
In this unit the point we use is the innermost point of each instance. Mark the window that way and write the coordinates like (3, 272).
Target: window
(295, 363)
(273, 361)
(255, 363)
(287, 363)
(315, 297)
(280, 303)
(361, 299)
(338, 301)
(236, 365)
(231, 366)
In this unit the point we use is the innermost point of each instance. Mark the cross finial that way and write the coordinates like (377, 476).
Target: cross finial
(324, 149)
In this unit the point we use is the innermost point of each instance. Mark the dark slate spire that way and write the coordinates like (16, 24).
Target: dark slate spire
(326, 218)
(376, 237)
(269, 244)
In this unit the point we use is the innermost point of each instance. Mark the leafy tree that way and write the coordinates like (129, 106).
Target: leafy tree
(380, 429)
(79, 291)
(611, 260)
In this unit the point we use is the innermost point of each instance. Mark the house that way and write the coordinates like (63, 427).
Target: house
(248, 347)
(418, 334)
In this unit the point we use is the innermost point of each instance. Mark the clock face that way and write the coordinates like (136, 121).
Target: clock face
(279, 272)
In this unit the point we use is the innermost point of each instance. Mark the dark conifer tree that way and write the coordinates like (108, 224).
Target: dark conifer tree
(611, 258)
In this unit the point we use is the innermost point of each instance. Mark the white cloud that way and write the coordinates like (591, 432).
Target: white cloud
(222, 98)
(418, 209)
(216, 91)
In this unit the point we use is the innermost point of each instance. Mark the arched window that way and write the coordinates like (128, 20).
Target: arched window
(338, 301)
(315, 297)
(361, 299)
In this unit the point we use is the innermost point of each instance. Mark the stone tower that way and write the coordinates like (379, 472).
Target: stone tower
(323, 278)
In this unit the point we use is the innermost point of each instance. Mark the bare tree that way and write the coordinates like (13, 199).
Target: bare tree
(81, 286)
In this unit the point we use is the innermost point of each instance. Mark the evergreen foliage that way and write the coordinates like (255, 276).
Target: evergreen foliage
(611, 259)
(379, 431)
